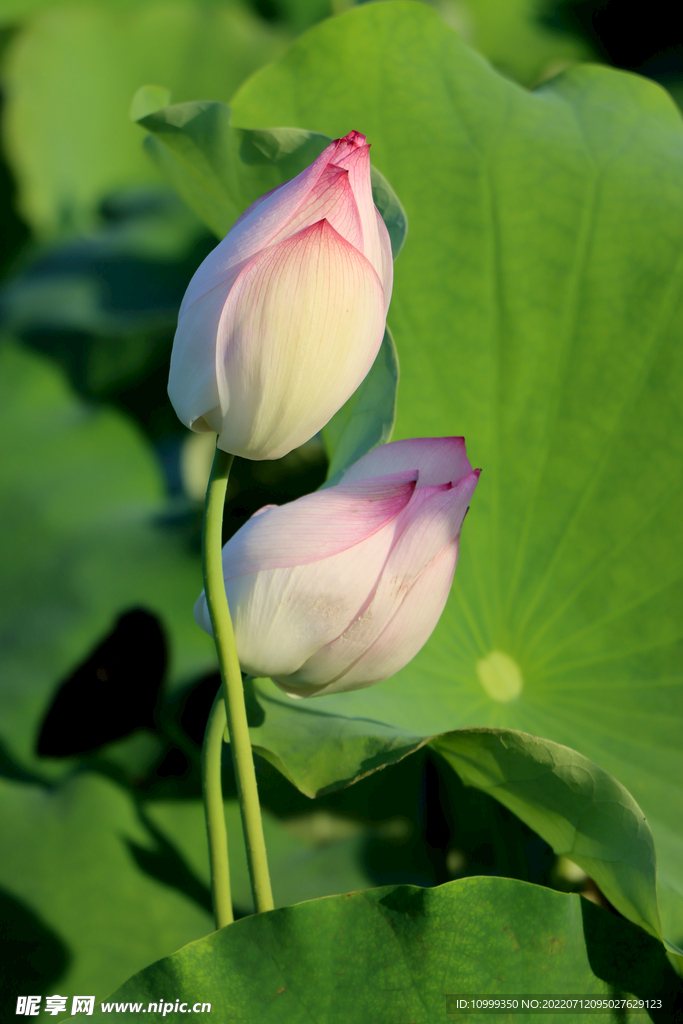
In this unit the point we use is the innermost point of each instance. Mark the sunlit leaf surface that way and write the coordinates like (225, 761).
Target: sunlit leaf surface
(396, 953)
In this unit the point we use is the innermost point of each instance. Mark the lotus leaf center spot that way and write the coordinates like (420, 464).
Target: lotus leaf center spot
(500, 676)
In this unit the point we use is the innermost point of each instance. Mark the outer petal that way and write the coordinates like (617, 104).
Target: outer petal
(440, 460)
(357, 163)
(282, 616)
(429, 525)
(408, 630)
(330, 199)
(264, 221)
(316, 526)
(267, 217)
(323, 190)
(256, 228)
(192, 384)
(300, 330)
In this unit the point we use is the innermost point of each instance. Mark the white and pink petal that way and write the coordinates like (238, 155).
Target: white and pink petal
(300, 330)
(192, 382)
(429, 525)
(256, 229)
(409, 628)
(317, 526)
(282, 616)
(440, 460)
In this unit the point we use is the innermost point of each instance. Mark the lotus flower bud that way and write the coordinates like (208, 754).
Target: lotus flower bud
(341, 588)
(283, 320)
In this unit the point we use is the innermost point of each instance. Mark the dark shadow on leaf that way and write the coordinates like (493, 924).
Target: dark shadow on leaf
(32, 957)
(196, 707)
(175, 765)
(406, 901)
(631, 961)
(291, 148)
(166, 865)
(10, 769)
(115, 691)
(256, 716)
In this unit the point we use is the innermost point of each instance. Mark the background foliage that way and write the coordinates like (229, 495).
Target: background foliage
(521, 285)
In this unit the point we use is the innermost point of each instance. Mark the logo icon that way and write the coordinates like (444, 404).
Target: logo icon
(82, 1004)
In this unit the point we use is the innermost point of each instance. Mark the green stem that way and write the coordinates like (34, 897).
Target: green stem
(233, 690)
(215, 813)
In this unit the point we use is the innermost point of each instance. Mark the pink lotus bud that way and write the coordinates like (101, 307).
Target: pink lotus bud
(283, 320)
(341, 588)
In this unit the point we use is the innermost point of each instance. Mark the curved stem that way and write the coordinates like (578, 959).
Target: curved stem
(231, 676)
(215, 813)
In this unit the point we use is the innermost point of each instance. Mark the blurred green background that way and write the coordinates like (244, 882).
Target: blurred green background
(106, 682)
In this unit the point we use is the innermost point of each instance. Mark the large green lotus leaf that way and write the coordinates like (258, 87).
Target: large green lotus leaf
(299, 870)
(397, 953)
(81, 492)
(575, 806)
(69, 75)
(64, 854)
(580, 810)
(537, 310)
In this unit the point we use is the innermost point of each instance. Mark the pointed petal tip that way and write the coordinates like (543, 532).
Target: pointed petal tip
(354, 139)
(469, 481)
(349, 150)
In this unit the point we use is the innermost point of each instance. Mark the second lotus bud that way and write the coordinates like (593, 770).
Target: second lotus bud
(341, 588)
(283, 320)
